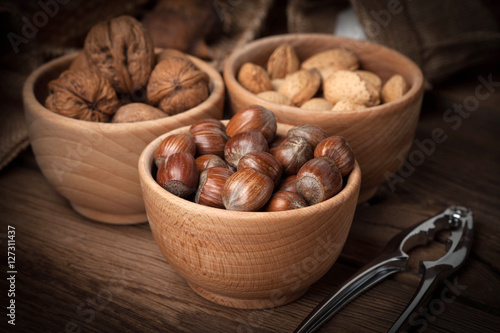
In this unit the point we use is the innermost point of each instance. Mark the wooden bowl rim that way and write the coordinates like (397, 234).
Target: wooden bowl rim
(216, 83)
(145, 165)
(253, 46)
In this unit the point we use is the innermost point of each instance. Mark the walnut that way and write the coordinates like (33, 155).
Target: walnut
(134, 112)
(177, 85)
(82, 95)
(122, 51)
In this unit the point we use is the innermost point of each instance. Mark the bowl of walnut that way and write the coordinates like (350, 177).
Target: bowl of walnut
(249, 211)
(365, 92)
(89, 115)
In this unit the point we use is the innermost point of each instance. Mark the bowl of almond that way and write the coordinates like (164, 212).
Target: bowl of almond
(365, 92)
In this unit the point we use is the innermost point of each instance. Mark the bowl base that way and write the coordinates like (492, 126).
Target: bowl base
(110, 218)
(242, 303)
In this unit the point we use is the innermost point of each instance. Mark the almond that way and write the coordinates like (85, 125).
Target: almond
(325, 72)
(349, 85)
(283, 61)
(347, 105)
(276, 83)
(254, 78)
(394, 88)
(317, 104)
(301, 85)
(371, 78)
(275, 97)
(332, 57)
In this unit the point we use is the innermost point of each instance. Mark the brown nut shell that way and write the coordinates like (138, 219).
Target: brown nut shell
(210, 142)
(283, 61)
(264, 163)
(179, 174)
(318, 180)
(247, 190)
(210, 161)
(122, 51)
(206, 124)
(284, 200)
(288, 184)
(254, 78)
(337, 148)
(177, 85)
(172, 144)
(242, 144)
(253, 118)
(209, 191)
(82, 95)
(313, 134)
(292, 153)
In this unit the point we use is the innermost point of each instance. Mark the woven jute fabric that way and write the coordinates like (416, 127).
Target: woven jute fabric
(442, 37)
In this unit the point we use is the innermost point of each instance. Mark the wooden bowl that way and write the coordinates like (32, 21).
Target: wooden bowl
(94, 165)
(380, 136)
(247, 259)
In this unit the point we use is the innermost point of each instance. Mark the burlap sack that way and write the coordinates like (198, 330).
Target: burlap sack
(442, 37)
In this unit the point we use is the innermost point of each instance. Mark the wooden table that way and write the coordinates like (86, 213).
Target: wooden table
(76, 275)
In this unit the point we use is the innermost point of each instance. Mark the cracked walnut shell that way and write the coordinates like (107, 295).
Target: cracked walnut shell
(82, 95)
(122, 51)
(177, 85)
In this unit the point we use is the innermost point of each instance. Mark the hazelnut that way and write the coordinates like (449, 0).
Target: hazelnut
(254, 78)
(178, 174)
(172, 144)
(318, 179)
(278, 139)
(337, 148)
(253, 118)
(206, 124)
(313, 134)
(247, 190)
(317, 104)
(292, 153)
(264, 163)
(210, 142)
(283, 200)
(301, 85)
(133, 112)
(242, 144)
(275, 97)
(208, 161)
(209, 191)
(333, 57)
(282, 62)
(288, 184)
(394, 88)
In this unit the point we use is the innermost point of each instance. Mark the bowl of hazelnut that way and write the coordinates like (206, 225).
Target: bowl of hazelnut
(249, 211)
(89, 115)
(365, 92)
